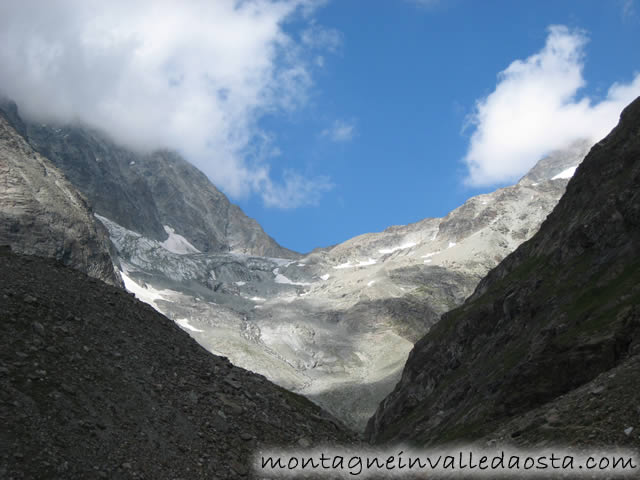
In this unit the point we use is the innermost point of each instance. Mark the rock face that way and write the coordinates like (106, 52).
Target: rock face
(95, 384)
(146, 192)
(337, 324)
(42, 214)
(556, 320)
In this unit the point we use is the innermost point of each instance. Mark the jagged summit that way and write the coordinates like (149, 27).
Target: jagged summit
(558, 164)
(147, 192)
(557, 320)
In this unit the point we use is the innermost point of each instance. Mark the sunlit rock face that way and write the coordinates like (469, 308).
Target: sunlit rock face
(547, 349)
(42, 214)
(335, 325)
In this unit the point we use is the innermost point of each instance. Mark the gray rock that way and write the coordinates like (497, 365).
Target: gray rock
(553, 322)
(146, 191)
(42, 214)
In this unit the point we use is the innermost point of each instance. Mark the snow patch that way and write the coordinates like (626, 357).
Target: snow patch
(431, 254)
(184, 323)
(240, 283)
(451, 244)
(404, 246)
(362, 263)
(568, 173)
(325, 277)
(176, 243)
(302, 264)
(428, 261)
(257, 299)
(284, 280)
(371, 283)
(146, 294)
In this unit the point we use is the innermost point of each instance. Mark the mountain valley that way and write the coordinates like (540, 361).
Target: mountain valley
(335, 325)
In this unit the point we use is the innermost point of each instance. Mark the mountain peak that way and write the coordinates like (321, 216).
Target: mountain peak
(554, 316)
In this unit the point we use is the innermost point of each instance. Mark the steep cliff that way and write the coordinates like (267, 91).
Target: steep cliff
(146, 192)
(41, 213)
(555, 315)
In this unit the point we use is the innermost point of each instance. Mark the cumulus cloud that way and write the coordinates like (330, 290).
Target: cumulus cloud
(535, 108)
(192, 76)
(295, 190)
(340, 131)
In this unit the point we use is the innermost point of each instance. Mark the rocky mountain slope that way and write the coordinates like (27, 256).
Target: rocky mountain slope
(547, 347)
(338, 324)
(147, 193)
(95, 384)
(41, 213)
(335, 325)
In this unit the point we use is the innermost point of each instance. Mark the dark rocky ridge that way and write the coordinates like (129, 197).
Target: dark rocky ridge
(144, 192)
(42, 214)
(95, 384)
(555, 315)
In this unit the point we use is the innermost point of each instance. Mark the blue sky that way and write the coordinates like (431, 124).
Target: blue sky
(325, 119)
(406, 78)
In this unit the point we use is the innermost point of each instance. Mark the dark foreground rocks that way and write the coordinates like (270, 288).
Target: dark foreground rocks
(95, 384)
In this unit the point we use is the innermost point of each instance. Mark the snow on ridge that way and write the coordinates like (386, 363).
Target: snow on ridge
(176, 243)
(184, 323)
(568, 173)
(147, 294)
(404, 246)
(431, 254)
(362, 263)
(284, 280)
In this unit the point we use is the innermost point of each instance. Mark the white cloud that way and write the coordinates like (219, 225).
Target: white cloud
(340, 131)
(317, 36)
(295, 190)
(535, 109)
(628, 8)
(193, 76)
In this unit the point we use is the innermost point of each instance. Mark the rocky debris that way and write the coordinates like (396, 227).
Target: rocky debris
(95, 384)
(146, 192)
(557, 313)
(337, 325)
(42, 214)
(581, 417)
